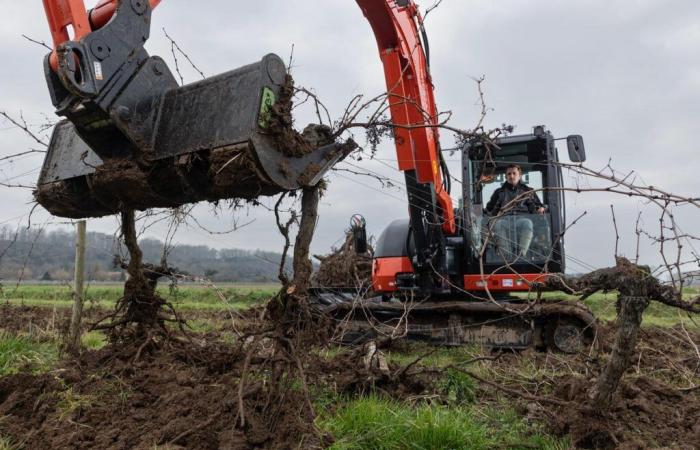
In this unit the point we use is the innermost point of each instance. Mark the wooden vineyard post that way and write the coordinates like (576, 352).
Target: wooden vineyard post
(78, 289)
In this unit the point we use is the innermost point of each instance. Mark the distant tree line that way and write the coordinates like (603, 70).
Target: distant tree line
(35, 254)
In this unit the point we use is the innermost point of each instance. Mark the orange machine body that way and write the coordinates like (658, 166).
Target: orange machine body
(410, 94)
(385, 273)
(64, 15)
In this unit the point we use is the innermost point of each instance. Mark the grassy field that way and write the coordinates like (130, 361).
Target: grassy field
(188, 297)
(460, 422)
(227, 296)
(374, 422)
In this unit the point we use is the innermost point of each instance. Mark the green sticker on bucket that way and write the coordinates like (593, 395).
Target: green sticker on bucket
(268, 100)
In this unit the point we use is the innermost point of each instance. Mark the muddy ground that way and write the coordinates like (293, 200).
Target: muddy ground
(187, 395)
(653, 407)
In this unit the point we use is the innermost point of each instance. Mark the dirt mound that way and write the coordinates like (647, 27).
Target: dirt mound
(344, 267)
(651, 409)
(646, 414)
(178, 398)
(360, 372)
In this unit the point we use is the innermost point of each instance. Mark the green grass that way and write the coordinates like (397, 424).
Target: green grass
(7, 444)
(657, 314)
(93, 340)
(19, 353)
(69, 402)
(433, 356)
(188, 297)
(381, 424)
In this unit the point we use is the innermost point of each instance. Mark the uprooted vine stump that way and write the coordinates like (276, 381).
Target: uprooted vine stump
(636, 288)
(140, 313)
(344, 267)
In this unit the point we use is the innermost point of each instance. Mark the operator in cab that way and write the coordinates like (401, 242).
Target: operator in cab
(514, 198)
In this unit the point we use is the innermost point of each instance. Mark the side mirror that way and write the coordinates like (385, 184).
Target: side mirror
(577, 151)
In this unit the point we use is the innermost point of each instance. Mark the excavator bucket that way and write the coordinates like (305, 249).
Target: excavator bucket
(135, 139)
(215, 139)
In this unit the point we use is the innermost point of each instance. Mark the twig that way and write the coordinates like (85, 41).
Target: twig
(174, 46)
(42, 43)
(617, 235)
(22, 125)
(284, 230)
(432, 8)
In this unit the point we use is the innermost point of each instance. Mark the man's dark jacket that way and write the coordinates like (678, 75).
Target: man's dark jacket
(504, 195)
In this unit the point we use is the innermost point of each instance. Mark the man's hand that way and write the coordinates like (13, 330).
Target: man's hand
(540, 210)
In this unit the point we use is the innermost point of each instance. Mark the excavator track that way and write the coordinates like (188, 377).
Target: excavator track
(562, 326)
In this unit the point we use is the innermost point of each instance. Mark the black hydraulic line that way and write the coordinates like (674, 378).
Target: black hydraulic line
(426, 43)
(446, 178)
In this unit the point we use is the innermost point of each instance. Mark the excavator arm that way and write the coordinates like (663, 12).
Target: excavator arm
(66, 14)
(414, 115)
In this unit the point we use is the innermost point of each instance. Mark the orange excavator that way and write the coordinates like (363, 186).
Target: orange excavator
(134, 138)
(441, 275)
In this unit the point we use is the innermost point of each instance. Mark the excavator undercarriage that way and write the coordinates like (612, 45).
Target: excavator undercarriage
(558, 325)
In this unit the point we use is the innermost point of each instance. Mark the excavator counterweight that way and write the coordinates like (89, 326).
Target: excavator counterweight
(134, 138)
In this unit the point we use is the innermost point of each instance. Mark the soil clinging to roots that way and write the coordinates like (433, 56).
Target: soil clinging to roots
(344, 267)
(242, 171)
(140, 314)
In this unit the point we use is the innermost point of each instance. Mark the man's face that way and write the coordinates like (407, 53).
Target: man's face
(513, 176)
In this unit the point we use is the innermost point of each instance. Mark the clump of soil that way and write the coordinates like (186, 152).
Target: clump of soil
(224, 173)
(344, 267)
(280, 124)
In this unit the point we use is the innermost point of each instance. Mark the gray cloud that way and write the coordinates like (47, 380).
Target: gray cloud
(625, 77)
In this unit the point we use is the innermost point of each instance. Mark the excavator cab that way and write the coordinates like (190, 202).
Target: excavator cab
(516, 247)
(133, 138)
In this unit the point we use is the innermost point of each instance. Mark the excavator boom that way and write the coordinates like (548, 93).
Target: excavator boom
(414, 116)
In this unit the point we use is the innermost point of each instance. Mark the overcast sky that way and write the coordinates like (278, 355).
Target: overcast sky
(623, 73)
